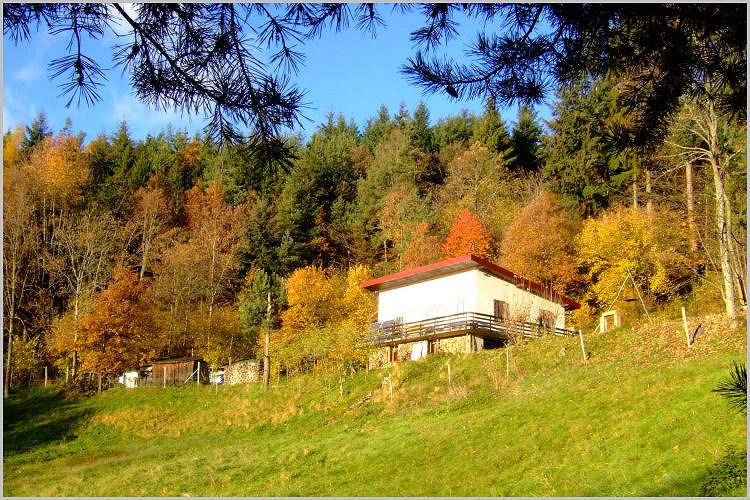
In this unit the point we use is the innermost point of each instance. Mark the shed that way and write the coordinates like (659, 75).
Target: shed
(178, 371)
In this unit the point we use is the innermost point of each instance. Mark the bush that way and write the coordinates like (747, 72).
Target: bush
(729, 472)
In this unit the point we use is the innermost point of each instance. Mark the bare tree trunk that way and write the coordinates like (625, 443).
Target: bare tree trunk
(649, 201)
(635, 192)
(6, 388)
(266, 358)
(690, 201)
(724, 228)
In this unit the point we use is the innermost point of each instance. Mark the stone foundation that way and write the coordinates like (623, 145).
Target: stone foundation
(402, 352)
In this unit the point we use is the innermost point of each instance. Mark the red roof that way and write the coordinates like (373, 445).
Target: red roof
(459, 264)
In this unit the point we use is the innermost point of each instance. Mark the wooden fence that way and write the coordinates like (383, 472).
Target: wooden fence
(392, 332)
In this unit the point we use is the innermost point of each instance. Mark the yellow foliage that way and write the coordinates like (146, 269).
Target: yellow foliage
(61, 168)
(12, 147)
(652, 247)
(326, 320)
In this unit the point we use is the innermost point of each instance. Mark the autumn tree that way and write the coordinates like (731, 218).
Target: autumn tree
(423, 248)
(467, 236)
(651, 248)
(118, 332)
(20, 251)
(178, 285)
(477, 180)
(61, 169)
(213, 231)
(82, 247)
(540, 244)
(150, 215)
(401, 208)
(327, 318)
(12, 146)
(711, 139)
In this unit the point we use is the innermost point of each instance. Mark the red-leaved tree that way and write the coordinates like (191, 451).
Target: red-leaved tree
(468, 236)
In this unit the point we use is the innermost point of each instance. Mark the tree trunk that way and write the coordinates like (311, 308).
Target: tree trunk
(724, 228)
(649, 201)
(635, 193)
(266, 358)
(6, 388)
(690, 201)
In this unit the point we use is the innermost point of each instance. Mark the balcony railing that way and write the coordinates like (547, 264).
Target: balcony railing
(393, 332)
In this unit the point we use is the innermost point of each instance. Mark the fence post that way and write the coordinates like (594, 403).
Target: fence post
(507, 361)
(198, 375)
(449, 374)
(583, 346)
(164, 378)
(684, 322)
(45, 375)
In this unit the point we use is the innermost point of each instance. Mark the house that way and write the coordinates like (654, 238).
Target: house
(177, 371)
(462, 304)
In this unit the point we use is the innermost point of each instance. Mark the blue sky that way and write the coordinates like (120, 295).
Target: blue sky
(348, 72)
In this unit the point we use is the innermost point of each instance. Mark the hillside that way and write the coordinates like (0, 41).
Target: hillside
(638, 418)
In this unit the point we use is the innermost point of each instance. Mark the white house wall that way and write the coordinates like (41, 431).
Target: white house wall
(522, 305)
(469, 291)
(428, 299)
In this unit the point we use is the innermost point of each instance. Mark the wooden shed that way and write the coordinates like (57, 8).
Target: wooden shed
(178, 371)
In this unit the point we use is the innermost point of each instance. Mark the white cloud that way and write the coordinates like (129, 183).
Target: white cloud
(143, 120)
(8, 121)
(30, 72)
(16, 109)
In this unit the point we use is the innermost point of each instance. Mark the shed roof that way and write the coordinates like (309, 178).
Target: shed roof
(460, 264)
(175, 360)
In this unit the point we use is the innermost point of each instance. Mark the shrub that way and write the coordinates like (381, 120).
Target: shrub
(729, 472)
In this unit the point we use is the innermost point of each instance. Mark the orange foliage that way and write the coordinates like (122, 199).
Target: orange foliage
(61, 168)
(189, 157)
(423, 249)
(467, 236)
(540, 244)
(116, 334)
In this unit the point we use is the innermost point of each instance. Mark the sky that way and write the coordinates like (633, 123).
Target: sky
(349, 72)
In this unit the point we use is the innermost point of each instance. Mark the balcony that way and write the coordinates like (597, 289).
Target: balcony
(481, 325)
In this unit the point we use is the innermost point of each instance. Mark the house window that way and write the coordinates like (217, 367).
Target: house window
(500, 310)
(547, 319)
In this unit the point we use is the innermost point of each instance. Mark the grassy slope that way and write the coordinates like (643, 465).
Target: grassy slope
(638, 419)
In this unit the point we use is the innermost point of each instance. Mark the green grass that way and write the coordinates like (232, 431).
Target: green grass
(638, 419)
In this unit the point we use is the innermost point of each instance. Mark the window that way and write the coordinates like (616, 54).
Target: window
(460, 306)
(500, 310)
(547, 319)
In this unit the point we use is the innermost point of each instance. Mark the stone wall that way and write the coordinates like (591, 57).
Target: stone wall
(402, 352)
(243, 372)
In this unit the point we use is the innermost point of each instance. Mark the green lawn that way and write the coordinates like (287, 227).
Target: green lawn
(638, 419)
